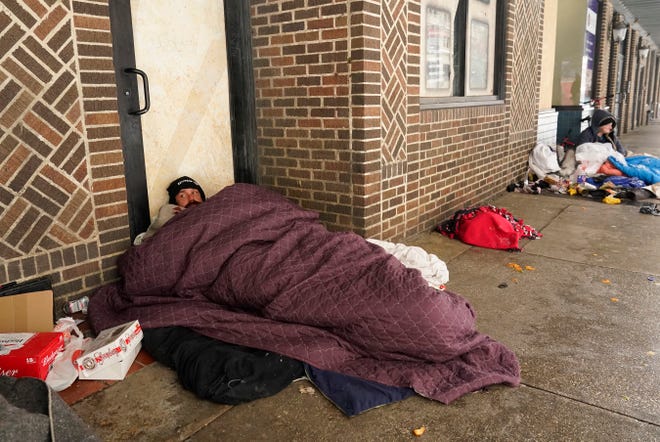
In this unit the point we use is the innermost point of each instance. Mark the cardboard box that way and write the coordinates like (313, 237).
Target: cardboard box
(111, 354)
(29, 354)
(27, 312)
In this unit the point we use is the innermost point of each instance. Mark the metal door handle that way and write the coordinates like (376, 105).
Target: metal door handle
(145, 83)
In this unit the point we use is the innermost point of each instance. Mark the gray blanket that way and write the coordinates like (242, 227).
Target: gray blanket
(31, 411)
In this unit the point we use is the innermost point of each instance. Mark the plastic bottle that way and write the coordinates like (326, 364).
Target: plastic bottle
(78, 305)
(582, 175)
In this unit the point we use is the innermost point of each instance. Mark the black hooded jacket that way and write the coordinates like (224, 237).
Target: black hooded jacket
(590, 134)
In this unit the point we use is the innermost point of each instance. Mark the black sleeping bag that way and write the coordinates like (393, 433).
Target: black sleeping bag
(218, 371)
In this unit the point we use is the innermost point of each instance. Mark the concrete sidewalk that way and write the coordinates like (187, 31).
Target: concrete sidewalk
(583, 321)
(643, 140)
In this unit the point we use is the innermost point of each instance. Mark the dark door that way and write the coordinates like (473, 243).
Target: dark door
(134, 102)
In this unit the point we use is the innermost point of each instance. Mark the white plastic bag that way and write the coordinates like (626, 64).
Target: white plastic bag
(592, 155)
(64, 371)
(543, 160)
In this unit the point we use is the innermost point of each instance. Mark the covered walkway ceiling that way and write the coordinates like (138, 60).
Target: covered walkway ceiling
(643, 15)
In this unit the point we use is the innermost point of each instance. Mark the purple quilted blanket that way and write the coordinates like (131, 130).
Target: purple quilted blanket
(251, 268)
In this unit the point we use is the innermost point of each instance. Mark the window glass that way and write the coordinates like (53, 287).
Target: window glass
(438, 52)
(481, 47)
(458, 48)
(478, 49)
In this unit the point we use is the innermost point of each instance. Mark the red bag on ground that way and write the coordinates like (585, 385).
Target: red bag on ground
(488, 226)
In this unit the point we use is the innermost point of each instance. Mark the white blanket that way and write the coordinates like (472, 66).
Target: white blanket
(433, 269)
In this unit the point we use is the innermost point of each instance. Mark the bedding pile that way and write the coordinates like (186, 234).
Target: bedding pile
(594, 170)
(251, 268)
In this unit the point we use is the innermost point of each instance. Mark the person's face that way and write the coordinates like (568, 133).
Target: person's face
(186, 197)
(606, 129)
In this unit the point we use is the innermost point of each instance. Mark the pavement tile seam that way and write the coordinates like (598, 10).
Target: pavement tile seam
(600, 266)
(548, 224)
(578, 299)
(580, 408)
(590, 404)
(496, 414)
(166, 410)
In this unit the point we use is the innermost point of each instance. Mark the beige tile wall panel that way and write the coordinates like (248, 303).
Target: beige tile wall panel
(181, 47)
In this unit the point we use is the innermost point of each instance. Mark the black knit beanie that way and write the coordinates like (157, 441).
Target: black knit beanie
(608, 120)
(183, 182)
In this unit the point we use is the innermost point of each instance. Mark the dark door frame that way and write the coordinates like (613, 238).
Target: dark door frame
(238, 30)
(241, 104)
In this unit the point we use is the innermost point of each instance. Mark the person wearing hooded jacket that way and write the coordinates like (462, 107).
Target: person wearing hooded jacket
(601, 130)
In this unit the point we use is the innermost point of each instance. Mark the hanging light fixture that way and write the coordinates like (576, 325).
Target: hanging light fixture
(619, 31)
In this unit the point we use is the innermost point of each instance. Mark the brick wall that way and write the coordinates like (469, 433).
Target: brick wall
(340, 129)
(63, 207)
(656, 84)
(639, 100)
(604, 71)
(645, 87)
(653, 82)
(301, 64)
(629, 76)
(611, 69)
(523, 83)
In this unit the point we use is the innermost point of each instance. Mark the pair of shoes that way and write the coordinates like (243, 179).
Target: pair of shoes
(650, 209)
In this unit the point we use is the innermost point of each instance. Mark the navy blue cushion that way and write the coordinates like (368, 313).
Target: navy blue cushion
(354, 395)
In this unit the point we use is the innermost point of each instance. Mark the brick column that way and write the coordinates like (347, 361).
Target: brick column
(62, 197)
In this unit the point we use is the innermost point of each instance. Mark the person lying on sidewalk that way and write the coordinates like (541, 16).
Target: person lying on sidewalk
(601, 130)
(184, 192)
